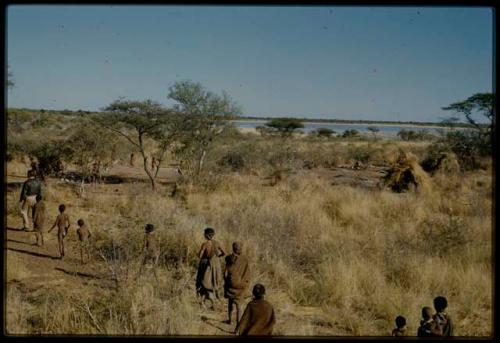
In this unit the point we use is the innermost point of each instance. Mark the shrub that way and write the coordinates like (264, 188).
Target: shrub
(322, 132)
(350, 133)
(233, 160)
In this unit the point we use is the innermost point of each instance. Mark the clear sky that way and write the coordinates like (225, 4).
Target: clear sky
(376, 63)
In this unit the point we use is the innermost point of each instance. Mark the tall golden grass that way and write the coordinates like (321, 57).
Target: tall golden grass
(357, 257)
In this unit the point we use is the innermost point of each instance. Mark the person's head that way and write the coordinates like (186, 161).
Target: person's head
(38, 197)
(440, 303)
(31, 174)
(400, 322)
(258, 291)
(426, 313)
(80, 222)
(62, 208)
(209, 233)
(149, 228)
(237, 248)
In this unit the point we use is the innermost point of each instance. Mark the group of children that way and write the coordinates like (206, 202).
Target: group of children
(438, 324)
(63, 224)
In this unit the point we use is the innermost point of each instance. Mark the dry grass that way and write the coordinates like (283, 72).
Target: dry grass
(358, 258)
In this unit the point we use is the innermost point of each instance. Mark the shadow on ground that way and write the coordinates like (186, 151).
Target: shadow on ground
(32, 253)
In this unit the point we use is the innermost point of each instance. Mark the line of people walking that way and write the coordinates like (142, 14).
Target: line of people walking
(258, 318)
(33, 212)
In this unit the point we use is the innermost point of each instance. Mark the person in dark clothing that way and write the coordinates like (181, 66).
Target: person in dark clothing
(400, 329)
(426, 324)
(258, 318)
(27, 200)
(443, 325)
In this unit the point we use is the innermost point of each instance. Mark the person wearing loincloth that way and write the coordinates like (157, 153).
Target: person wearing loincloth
(151, 250)
(39, 219)
(31, 188)
(84, 237)
(62, 222)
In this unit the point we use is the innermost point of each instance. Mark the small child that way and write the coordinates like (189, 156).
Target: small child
(400, 329)
(39, 219)
(443, 326)
(62, 222)
(426, 324)
(84, 237)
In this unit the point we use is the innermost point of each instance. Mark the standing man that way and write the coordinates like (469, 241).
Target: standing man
(31, 188)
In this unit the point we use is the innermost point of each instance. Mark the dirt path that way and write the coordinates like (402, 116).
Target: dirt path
(34, 268)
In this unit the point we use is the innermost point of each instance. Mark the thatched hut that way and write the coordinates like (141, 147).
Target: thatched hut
(406, 174)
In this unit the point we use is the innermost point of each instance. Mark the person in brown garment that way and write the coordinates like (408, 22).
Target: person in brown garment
(62, 222)
(400, 329)
(258, 318)
(84, 237)
(443, 325)
(236, 280)
(209, 275)
(39, 219)
(150, 250)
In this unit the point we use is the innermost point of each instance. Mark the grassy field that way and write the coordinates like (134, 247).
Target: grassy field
(336, 259)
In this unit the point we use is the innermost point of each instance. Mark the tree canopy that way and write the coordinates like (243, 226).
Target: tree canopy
(285, 126)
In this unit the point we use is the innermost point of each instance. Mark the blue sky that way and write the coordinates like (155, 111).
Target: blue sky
(376, 63)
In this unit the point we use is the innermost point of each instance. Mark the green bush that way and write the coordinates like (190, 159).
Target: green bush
(234, 160)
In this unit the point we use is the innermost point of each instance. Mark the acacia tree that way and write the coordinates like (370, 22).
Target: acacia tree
(137, 120)
(285, 126)
(91, 150)
(479, 103)
(204, 117)
(468, 144)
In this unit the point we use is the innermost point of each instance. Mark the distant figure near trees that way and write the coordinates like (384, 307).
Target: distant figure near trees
(132, 159)
(426, 324)
(400, 330)
(84, 237)
(443, 325)
(258, 318)
(62, 222)
(236, 280)
(209, 276)
(31, 188)
(39, 219)
(150, 250)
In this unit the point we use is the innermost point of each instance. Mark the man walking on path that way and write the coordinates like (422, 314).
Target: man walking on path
(31, 188)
